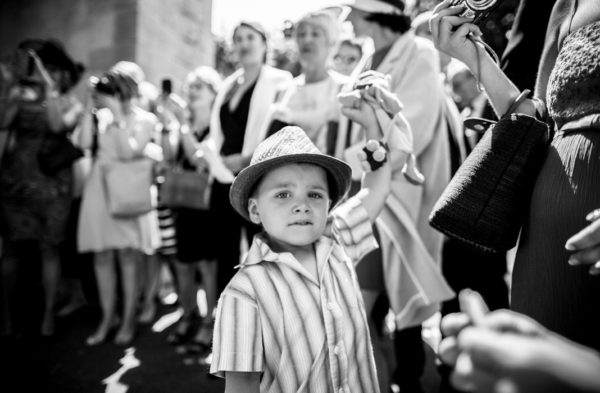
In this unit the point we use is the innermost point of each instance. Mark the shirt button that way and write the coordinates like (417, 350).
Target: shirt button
(337, 349)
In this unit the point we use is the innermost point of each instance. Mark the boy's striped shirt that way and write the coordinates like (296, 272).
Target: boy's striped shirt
(303, 335)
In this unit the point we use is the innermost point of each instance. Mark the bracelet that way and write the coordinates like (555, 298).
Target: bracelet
(515, 104)
(376, 152)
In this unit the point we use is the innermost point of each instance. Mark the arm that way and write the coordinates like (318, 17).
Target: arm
(453, 35)
(63, 112)
(9, 111)
(510, 348)
(190, 146)
(242, 382)
(375, 184)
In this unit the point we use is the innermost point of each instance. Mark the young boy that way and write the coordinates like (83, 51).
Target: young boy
(292, 318)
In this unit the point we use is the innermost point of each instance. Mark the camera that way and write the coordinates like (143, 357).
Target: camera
(104, 85)
(479, 10)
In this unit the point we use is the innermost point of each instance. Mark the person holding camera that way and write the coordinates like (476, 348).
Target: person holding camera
(35, 200)
(562, 297)
(116, 131)
(404, 273)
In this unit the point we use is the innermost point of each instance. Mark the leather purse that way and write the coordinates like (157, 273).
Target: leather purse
(186, 189)
(56, 153)
(487, 200)
(128, 187)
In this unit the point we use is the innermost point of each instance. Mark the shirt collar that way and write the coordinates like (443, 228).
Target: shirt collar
(260, 252)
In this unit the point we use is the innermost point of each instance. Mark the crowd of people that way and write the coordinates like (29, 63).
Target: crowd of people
(312, 243)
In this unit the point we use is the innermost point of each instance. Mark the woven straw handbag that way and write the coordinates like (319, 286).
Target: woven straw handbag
(488, 199)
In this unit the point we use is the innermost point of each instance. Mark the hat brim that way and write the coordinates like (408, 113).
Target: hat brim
(340, 177)
(372, 6)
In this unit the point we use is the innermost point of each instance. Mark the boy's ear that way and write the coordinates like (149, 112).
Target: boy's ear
(253, 211)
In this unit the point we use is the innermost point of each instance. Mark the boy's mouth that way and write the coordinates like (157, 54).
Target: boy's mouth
(301, 223)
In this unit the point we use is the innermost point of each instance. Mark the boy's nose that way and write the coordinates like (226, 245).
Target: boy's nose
(301, 207)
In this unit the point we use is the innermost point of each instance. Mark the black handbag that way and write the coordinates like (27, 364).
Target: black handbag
(488, 198)
(56, 152)
(186, 189)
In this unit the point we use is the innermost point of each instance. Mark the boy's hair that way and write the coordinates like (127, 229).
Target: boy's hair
(290, 145)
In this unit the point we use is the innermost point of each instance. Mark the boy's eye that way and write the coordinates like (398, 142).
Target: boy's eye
(316, 195)
(282, 195)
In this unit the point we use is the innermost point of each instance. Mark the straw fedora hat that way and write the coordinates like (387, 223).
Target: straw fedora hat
(290, 145)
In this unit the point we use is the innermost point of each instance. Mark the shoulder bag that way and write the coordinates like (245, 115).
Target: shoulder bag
(487, 200)
(128, 187)
(186, 189)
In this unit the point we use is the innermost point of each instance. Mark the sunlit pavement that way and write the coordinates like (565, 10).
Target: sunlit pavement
(65, 364)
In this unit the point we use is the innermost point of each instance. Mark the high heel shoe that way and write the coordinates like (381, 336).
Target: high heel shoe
(183, 331)
(202, 341)
(96, 339)
(100, 335)
(124, 339)
(148, 314)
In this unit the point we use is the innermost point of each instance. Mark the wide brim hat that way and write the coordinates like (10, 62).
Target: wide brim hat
(377, 6)
(52, 53)
(290, 145)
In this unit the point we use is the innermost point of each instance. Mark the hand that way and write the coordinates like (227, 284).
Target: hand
(504, 351)
(452, 33)
(586, 243)
(281, 113)
(7, 75)
(201, 164)
(111, 103)
(363, 114)
(235, 162)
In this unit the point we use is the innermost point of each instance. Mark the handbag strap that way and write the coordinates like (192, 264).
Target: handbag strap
(518, 100)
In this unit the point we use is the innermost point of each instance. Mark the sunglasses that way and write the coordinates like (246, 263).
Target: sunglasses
(345, 59)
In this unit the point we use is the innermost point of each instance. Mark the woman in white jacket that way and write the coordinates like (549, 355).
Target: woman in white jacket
(237, 127)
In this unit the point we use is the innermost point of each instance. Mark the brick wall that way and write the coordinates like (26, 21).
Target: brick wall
(167, 38)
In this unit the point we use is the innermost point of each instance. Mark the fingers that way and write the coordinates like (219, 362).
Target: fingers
(472, 304)
(352, 113)
(452, 324)
(467, 377)
(487, 349)
(587, 237)
(448, 350)
(587, 257)
(466, 28)
(506, 321)
(441, 13)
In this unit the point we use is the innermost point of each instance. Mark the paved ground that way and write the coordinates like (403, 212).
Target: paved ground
(65, 364)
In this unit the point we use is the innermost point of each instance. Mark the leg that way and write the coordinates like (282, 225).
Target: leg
(151, 268)
(106, 279)
(186, 285)
(9, 269)
(129, 260)
(381, 364)
(410, 357)
(50, 280)
(209, 278)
